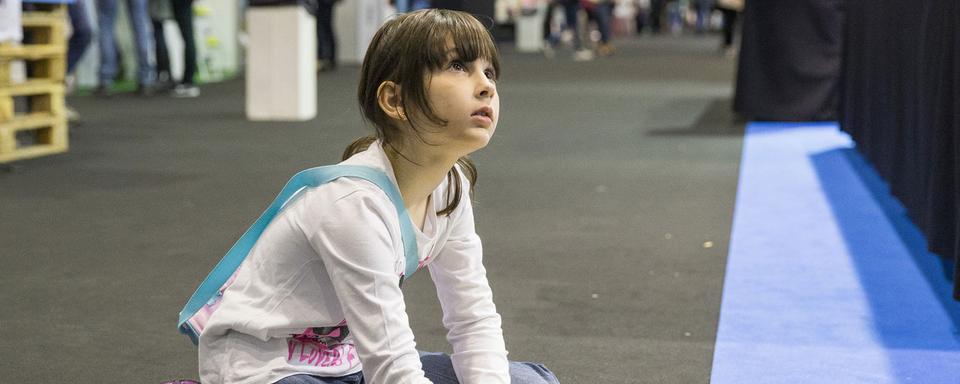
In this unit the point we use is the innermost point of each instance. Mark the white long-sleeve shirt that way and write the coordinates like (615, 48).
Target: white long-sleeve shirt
(319, 292)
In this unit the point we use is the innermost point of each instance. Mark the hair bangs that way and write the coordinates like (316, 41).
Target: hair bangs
(471, 40)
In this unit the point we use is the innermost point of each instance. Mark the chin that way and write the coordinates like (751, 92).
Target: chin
(477, 140)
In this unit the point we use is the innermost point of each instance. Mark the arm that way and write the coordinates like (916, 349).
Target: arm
(352, 238)
(471, 318)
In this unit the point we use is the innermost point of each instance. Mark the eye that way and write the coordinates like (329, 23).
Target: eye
(458, 65)
(490, 74)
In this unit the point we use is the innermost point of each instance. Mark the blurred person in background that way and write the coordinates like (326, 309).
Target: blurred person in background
(656, 15)
(730, 9)
(703, 8)
(571, 12)
(642, 14)
(183, 15)
(80, 37)
(143, 39)
(326, 40)
(160, 12)
(601, 12)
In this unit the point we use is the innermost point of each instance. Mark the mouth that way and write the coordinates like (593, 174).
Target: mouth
(485, 112)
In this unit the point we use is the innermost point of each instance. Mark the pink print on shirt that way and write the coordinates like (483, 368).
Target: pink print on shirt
(322, 347)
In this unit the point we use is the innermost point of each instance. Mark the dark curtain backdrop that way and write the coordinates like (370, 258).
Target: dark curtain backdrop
(790, 60)
(900, 101)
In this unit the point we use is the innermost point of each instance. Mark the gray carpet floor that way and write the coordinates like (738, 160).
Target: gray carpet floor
(604, 202)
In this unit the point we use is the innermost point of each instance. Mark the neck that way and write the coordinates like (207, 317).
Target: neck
(418, 172)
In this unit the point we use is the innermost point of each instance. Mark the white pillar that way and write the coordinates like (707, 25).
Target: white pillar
(281, 64)
(529, 37)
(355, 23)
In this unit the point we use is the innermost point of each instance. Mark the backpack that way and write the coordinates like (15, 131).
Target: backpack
(206, 299)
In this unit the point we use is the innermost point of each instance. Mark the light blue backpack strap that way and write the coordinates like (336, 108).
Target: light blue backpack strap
(305, 179)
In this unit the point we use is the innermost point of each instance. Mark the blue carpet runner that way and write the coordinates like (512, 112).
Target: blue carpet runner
(827, 280)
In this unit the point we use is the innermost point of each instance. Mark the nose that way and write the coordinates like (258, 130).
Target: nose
(486, 88)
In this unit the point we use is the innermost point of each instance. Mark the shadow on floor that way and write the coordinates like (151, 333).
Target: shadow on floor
(718, 119)
(910, 295)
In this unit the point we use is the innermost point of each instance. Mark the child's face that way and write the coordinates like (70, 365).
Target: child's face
(465, 95)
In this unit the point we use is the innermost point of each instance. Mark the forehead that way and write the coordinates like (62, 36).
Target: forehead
(467, 51)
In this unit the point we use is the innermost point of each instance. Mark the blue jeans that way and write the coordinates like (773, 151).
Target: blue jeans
(143, 39)
(82, 33)
(439, 369)
(704, 8)
(604, 13)
(571, 10)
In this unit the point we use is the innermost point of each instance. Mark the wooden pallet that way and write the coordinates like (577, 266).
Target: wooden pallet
(47, 28)
(32, 135)
(43, 63)
(50, 8)
(32, 114)
(41, 97)
(39, 128)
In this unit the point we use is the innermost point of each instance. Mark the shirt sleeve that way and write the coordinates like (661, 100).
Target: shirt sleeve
(353, 239)
(469, 314)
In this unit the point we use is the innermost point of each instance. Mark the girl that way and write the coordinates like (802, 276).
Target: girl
(318, 298)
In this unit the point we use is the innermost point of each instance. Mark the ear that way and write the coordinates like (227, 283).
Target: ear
(388, 97)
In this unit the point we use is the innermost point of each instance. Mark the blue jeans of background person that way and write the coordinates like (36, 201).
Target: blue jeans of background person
(82, 33)
(571, 9)
(326, 41)
(704, 9)
(604, 13)
(439, 369)
(143, 39)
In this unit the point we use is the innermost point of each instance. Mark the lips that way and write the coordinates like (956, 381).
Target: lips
(483, 112)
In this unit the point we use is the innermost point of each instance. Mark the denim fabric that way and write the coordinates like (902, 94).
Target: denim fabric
(326, 40)
(183, 14)
(571, 8)
(82, 33)
(356, 378)
(439, 369)
(604, 13)
(143, 39)
(704, 9)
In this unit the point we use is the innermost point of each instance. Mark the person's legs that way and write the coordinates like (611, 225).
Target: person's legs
(604, 23)
(656, 15)
(604, 12)
(729, 25)
(106, 16)
(439, 369)
(82, 33)
(326, 42)
(163, 58)
(571, 10)
(704, 8)
(143, 37)
(548, 35)
(183, 13)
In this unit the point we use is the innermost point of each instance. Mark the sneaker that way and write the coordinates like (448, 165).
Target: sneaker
(730, 52)
(72, 114)
(325, 65)
(605, 50)
(548, 51)
(162, 86)
(186, 90)
(583, 55)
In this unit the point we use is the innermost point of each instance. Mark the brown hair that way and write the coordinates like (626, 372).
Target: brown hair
(406, 50)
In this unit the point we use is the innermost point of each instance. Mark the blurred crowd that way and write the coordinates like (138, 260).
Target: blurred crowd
(589, 26)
